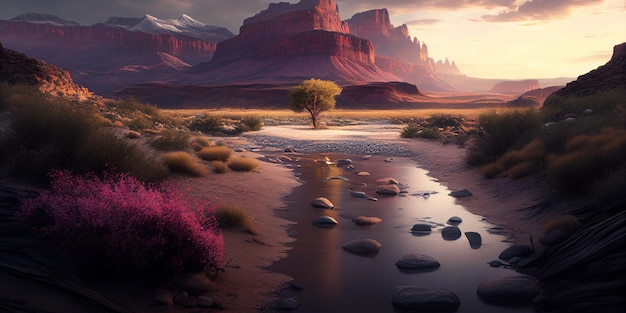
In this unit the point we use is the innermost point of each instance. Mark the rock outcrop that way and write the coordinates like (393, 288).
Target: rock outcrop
(17, 68)
(535, 97)
(397, 53)
(606, 77)
(515, 86)
(292, 42)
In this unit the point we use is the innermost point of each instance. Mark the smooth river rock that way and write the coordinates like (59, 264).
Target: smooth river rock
(362, 246)
(515, 251)
(388, 190)
(509, 291)
(325, 220)
(422, 299)
(417, 261)
(422, 228)
(460, 193)
(367, 220)
(474, 238)
(323, 203)
(387, 181)
(451, 233)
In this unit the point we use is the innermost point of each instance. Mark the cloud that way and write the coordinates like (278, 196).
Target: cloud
(424, 22)
(539, 10)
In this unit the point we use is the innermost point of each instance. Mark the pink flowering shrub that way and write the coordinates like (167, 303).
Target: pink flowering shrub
(119, 225)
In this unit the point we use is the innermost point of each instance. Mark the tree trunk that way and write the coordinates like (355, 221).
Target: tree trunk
(314, 120)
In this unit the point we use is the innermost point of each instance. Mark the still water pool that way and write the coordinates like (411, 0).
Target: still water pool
(335, 280)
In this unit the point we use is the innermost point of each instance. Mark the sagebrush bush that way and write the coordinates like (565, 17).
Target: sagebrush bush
(215, 153)
(586, 158)
(171, 140)
(418, 131)
(183, 162)
(219, 167)
(500, 132)
(243, 164)
(232, 216)
(117, 225)
(206, 123)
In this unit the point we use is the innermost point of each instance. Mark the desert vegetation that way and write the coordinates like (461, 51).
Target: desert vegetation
(44, 133)
(235, 217)
(118, 225)
(578, 141)
(315, 96)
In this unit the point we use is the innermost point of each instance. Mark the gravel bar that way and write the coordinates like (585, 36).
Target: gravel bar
(354, 147)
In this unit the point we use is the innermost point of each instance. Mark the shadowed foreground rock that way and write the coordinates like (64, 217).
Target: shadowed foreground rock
(422, 299)
(510, 291)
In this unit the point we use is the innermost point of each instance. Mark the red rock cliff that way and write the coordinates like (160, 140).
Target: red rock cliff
(25, 35)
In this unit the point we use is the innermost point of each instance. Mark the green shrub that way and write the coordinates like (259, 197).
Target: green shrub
(206, 123)
(183, 162)
(417, 131)
(219, 167)
(232, 216)
(243, 164)
(215, 153)
(500, 132)
(171, 140)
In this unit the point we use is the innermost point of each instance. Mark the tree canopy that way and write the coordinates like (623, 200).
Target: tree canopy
(315, 96)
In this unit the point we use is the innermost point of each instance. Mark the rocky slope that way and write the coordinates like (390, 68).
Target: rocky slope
(515, 86)
(606, 77)
(535, 97)
(17, 68)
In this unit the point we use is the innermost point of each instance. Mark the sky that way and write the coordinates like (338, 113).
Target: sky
(510, 39)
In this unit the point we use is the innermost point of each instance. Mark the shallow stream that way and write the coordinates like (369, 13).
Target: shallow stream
(335, 280)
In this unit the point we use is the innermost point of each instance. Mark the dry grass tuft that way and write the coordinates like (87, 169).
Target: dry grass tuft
(243, 164)
(215, 153)
(491, 170)
(198, 143)
(183, 162)
(219, 167)
(232, 216)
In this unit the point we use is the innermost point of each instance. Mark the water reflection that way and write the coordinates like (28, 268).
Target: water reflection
(339, 281)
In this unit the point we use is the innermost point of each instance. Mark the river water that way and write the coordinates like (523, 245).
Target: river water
(334, 280)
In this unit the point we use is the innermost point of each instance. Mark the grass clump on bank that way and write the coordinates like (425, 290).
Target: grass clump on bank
(215, 153)
(232, 216)
(171, 140)
(183, 162)
(243, 164)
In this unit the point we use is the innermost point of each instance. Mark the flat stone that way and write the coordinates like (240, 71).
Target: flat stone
(474, 238)
(197, 284)
(366, 220)
(204, 302)
(387, 181)
(509, 291)
(417, 261)
(363, 174)
(455, 220)
(362, 246)
(288, 304)
(460, 193)
(323, 203)
(388, 190)
(515, 251)
(422, 299)
(184, 299)
(422, 228)
(451, 233)
(164, 296)
(326, 220)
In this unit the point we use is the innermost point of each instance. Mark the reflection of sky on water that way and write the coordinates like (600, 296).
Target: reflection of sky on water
(339, 281)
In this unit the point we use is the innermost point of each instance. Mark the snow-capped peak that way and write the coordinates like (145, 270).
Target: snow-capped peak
(184, 25)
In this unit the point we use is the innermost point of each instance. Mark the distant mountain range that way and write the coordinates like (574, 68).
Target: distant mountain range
(279, 46)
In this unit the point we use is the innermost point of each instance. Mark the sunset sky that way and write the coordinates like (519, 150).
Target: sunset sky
(512, 39)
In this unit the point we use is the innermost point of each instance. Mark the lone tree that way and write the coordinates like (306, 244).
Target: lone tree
(315, 96)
